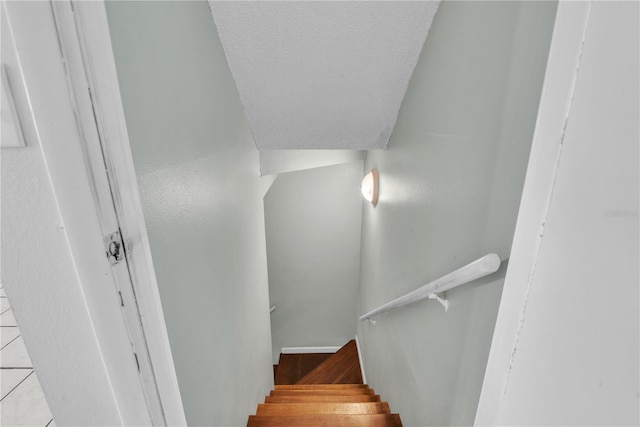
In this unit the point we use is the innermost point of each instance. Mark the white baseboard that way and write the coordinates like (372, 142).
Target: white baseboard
(298, 350)
(364, 377)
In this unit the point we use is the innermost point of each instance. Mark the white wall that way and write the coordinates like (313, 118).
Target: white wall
(281, 161)
(566, 346)
(312, 221)
(198, 173)
(450, 184)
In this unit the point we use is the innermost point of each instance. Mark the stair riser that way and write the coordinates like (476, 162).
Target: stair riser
(321, 392)
(321, 399)
(321, 386)
(276, 409)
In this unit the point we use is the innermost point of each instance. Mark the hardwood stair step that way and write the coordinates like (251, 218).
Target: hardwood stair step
(352, 398)
(292, 367)
(331, 394)
(321, 386)
(324, 420)
(341, 367)
(320, 392)
(275, 409)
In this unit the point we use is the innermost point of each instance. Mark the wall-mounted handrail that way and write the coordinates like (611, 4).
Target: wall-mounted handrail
(479, 268)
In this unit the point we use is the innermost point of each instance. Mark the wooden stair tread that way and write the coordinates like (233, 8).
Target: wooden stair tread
(323, 420)
(341, 367)
(292, 367)
(322, 408)
(320, 392)
(348, 398)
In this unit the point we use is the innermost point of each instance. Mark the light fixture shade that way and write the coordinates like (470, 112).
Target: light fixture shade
(370, 186)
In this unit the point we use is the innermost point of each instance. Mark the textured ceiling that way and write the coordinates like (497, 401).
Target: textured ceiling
(322, 74)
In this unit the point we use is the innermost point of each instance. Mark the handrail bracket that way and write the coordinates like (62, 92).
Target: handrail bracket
(443, 301)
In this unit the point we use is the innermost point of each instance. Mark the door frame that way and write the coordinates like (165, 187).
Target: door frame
(563, 64)
(86, 48)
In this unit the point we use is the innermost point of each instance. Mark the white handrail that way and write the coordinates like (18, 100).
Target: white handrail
(479, 268)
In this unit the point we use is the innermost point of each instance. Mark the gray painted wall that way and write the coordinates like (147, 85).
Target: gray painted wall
(312, 221)
(450, 186)
(198, 172)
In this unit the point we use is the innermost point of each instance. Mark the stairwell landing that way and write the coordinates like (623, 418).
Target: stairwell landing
(322, 390)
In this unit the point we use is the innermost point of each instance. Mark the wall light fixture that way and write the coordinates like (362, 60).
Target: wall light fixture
(370, 186)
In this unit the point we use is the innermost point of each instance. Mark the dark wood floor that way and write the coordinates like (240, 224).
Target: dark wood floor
(343, 367)
(292, 367)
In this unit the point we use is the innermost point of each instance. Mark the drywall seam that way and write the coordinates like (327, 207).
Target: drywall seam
(540, 238)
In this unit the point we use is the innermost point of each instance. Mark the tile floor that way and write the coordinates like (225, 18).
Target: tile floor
(21, 400)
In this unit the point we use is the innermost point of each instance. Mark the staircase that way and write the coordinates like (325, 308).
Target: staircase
(322, 390)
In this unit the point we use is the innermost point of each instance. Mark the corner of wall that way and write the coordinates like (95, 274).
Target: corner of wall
(360, 359)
